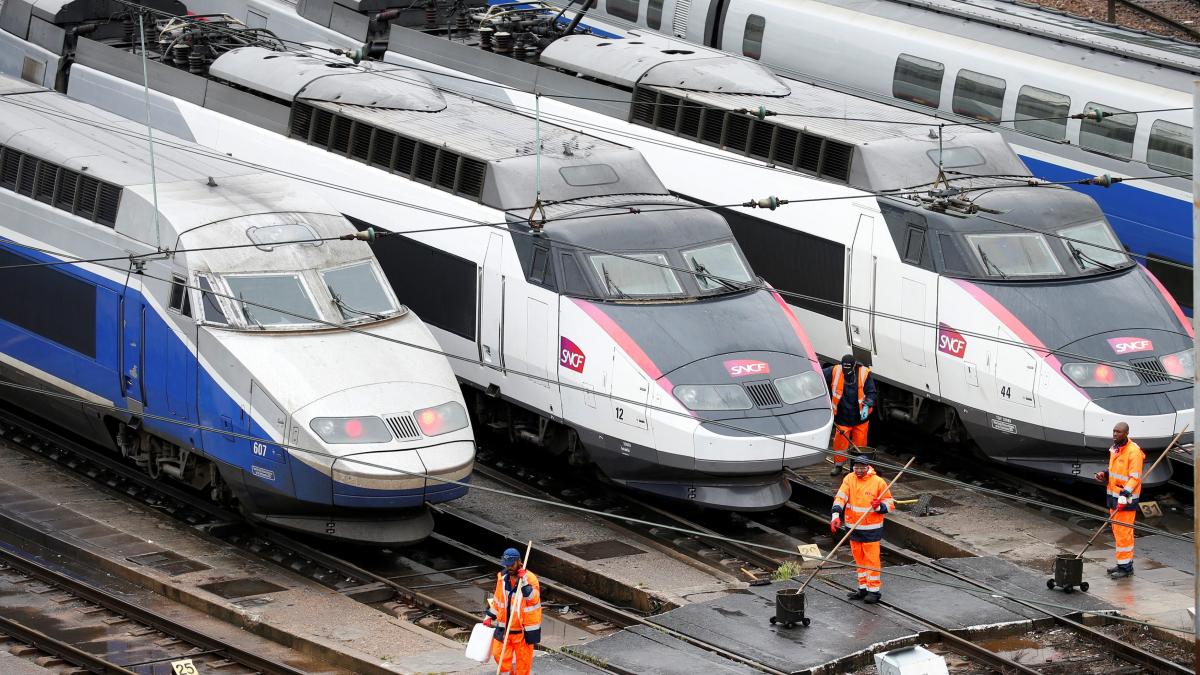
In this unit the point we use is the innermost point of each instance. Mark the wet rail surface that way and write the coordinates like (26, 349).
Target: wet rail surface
(411, 584)
(97, 631)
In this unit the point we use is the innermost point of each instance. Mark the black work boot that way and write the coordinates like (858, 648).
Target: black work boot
(1113, 570)
(873, 597)
(857, 595)
(1122, 572)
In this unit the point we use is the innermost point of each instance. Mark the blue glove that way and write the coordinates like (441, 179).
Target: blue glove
(1126, 494)
(863, 413)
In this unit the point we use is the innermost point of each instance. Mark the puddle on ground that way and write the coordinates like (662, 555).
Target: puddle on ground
(728, 612)
(1022, 650)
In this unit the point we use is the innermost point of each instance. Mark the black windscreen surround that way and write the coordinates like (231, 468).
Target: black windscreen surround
(438, 286)
(793, 261)
(51, 303)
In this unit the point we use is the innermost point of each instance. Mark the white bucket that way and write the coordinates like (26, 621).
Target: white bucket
(479, 647)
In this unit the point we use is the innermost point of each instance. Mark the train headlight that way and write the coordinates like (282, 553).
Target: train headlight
(335, 430)
(1180, 364)
(802, 387)
(1100, 375)
(713, 397)
(441, 419)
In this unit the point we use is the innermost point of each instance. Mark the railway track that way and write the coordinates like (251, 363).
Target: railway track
(149, 637)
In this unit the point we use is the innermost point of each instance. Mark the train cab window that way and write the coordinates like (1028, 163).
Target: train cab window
(623, 9)
(978, 95)
(211, 305)
(644, 274)
(357, 292)
(1014, 255)
(273, 299)
(918, 80)
(1035, 105)
(953, 261)
(1111, 135)
(1093, 246)
(752, 36)
(586, 175)
(574, 280)
(539, 266)
(180, 301)
(1170, 147)
(654, 9)
(720, 260)
(914, 246)
(955, 157)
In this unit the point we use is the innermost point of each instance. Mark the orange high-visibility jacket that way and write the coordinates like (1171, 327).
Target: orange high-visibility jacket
(1125, 472)
(835, 389)
(854, 499)
(527, 608)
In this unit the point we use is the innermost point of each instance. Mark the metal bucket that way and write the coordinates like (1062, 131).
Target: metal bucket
(789, 608)
(1068, 573)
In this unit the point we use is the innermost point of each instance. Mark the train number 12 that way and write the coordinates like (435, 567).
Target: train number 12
(620, 413)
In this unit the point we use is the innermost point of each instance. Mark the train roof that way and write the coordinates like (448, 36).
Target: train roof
(592, 222)
(1028, 18)
(110, 157)
(814, 129)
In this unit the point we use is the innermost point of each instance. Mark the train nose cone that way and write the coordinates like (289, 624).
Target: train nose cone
(393, 478)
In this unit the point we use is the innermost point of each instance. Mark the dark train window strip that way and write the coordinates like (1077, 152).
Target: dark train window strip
(66, 313)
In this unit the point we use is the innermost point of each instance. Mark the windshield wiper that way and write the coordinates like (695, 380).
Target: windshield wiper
(248, 314)
(608, 283)
(703, 271)
(340, 304)
(987, 262)
(1080, 256)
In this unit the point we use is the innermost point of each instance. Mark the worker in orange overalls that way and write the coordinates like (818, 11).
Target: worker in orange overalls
(1124, 478)
(863, 494)
(853, 392)
(518, 589)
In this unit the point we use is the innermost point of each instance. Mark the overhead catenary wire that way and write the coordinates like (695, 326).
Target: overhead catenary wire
(554, 382)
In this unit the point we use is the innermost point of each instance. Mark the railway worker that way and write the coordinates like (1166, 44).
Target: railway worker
(519, 589)
(853, 392)
(863, 494)
(1124, 478)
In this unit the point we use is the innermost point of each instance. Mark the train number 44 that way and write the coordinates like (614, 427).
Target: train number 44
(1006, 392)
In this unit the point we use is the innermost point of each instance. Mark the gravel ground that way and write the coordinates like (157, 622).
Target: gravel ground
(1186, 12)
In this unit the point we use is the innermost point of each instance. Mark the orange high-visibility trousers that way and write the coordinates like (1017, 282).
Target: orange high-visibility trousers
(842, 435)
(866, 555)
(1123, 535)
(517, 651)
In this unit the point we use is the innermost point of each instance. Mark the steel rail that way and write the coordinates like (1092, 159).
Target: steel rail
(63, 650)
(147, 617)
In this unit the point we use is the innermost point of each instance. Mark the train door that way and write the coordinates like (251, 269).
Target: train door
(630, 392)
(860, 291)
(491, 303)
(1016, 370)
(529, 343)
(133, 315)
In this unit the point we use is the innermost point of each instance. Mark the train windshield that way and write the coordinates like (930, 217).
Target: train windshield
(722, 262)
(358, 293)
(1093, 247)
(273, 300)
(1014, 255)
(642, 275)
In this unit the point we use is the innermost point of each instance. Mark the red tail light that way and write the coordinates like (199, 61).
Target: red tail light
(1104, 374)
(354, 428)
(1173, 365)
(430, 421)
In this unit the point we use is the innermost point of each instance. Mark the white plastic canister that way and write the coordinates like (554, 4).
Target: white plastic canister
(479, 647)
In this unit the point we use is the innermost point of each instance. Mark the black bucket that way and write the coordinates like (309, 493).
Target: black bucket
(789, 608)
(1068, 573)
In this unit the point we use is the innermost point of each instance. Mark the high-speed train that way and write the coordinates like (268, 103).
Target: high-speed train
(1005, 352)
(998, 61)
(607, 319)
(210, 350)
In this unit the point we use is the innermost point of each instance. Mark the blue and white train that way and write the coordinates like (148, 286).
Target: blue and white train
(286, 378)
(997, 61)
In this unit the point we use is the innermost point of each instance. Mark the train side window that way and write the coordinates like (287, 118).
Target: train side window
(914, 246)
(918, 80)
(1170, 147)
(212, 307)
(539, 265)
(978, 95)
(752, 37)
(180, 302)
(654, 9)
(953, 261)
(574, 280)
(1033, 105)
(1111, 135)
(623, 9)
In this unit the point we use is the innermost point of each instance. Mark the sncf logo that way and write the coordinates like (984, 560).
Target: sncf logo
(744, 367)
(1129, 345)
(570, 355)
(951, 342)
